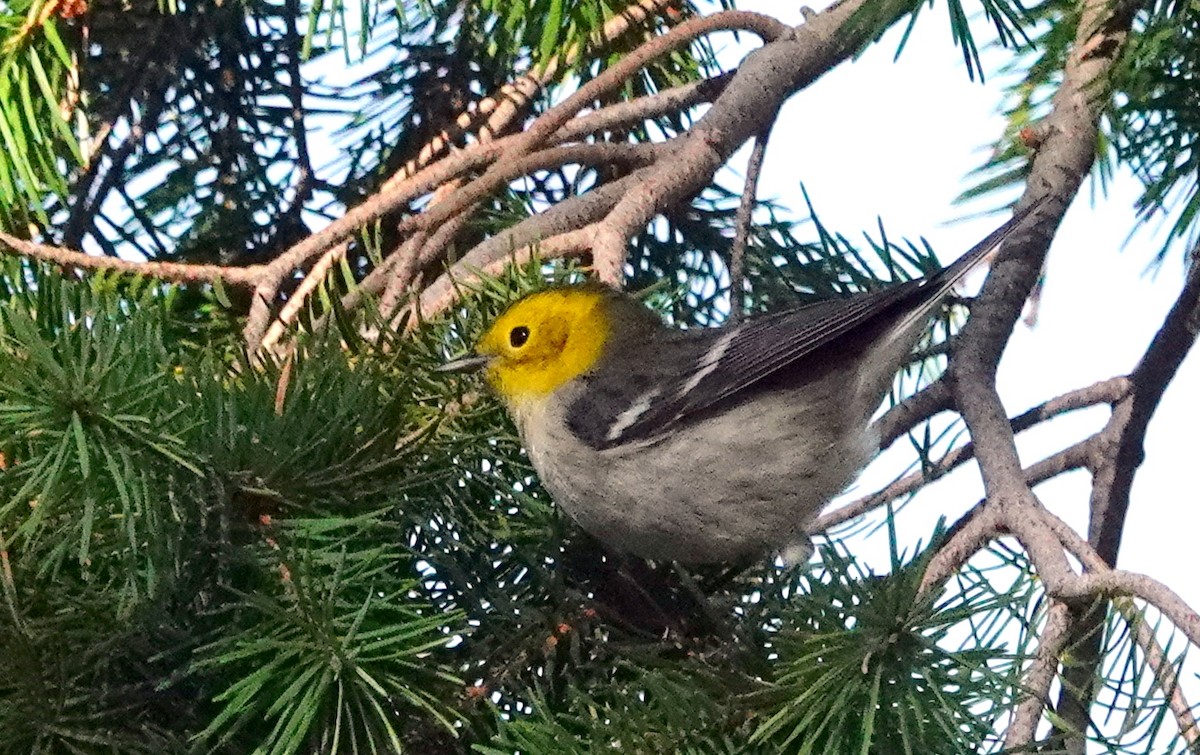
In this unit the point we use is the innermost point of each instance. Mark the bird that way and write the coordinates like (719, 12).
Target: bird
(704, 445)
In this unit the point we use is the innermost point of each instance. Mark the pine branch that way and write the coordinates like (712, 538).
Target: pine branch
(170, 271)
(737, 254)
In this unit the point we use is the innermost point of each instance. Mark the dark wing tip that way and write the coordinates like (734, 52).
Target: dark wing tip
(985, 249)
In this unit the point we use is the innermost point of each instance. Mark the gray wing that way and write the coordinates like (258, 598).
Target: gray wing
(665, 383)
(662, 384)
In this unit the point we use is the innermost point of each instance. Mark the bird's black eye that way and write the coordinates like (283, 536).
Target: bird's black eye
(518, 336)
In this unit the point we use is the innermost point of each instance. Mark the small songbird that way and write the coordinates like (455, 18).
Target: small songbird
(709, 444)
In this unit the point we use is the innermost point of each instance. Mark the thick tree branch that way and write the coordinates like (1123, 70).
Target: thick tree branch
(1069, 459)
(784, 70)
(1068, 590)
(981, 524)
(969, 535)
(1125, 434)
(1102, 581)
(1116, 453)
(556, 117)
(408, 260)
(1062, 160)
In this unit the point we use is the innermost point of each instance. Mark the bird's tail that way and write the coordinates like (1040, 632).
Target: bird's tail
(949, 276)
(937, 286)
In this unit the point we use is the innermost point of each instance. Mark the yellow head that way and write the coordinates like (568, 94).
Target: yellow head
(545, 340)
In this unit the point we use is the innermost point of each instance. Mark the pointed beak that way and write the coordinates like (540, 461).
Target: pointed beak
(467, 363)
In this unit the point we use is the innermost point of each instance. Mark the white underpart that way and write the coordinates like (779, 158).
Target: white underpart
(708, 363)
(630, 415)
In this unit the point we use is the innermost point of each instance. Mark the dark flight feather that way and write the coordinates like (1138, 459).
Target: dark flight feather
(665, 383)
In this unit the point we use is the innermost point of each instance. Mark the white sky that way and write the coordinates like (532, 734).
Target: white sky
(897, 140)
